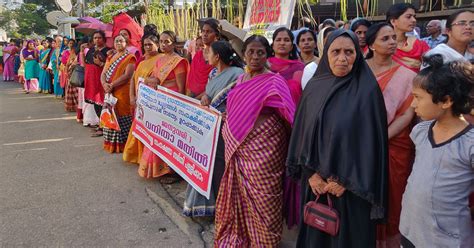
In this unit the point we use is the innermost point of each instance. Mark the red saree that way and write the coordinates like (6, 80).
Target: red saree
(410, 55)
(93, 90)
(198, 75)
(396, 86)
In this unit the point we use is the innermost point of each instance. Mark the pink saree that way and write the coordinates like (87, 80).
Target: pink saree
(9, 63)
(292, 72)
(250, 200)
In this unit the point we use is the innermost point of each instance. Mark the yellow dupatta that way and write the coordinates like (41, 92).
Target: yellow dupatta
(144, 69)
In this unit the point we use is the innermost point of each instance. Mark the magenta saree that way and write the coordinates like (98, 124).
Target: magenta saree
(250, 200)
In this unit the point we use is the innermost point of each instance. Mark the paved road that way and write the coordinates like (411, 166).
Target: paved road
(59, 188)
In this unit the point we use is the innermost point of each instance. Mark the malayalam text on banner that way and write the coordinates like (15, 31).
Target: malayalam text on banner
(180, 131)
(263, 17)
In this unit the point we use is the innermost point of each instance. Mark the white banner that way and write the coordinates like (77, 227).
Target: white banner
(181, 132)
(265, 16)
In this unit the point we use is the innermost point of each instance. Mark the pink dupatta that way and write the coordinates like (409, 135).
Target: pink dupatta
(396, 86)
(247, 99)
(292, 72)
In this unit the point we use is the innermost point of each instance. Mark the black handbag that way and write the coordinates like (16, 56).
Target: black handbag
(77, 76)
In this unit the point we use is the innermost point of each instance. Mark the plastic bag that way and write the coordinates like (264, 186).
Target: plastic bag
(108, 118)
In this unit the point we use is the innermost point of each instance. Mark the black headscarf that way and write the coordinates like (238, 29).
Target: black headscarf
(340, 130)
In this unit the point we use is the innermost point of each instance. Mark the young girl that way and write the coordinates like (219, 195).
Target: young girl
(435, 208)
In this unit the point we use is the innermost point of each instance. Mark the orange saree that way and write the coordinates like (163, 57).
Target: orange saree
(396, 86)
(134, 148)
(166, 69)
(114, 141)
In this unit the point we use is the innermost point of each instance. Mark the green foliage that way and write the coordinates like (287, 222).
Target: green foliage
(28, 20)
(109, 11)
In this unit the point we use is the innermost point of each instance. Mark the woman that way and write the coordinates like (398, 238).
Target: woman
(54, 67)
(306, 41)
(200, 69)
(130, 48)
(134, 148)
(285, 61)
(360, 27)
(71, 93)
(21, 69)
(63, 76)
(9, 53)
(326, 146)
(460, 29)
(409, 49)
(94, 65)
(310, 68)
(115, 80)
(88, 115)
(44, 75)
(395, 81)
(30, 55)
(260, 111)
(170, 72)
(228, 68)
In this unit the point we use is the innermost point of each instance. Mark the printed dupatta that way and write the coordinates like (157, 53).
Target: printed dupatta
(112, 68)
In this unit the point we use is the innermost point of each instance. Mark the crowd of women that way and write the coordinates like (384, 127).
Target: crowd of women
(370, 119)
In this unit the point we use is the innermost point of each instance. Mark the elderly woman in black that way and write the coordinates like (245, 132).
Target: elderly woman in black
(339, 145)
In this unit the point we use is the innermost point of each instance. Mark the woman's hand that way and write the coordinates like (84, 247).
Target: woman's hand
(205, 101)
(151, 82)
(133, 103)
(107, 88)
(98, 62)
(317, 184)
(334, 188)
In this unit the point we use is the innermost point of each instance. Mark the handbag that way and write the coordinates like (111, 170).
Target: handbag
(77, 76)
(322, 217)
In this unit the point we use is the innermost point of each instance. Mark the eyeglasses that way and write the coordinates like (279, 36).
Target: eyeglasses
(464, 23)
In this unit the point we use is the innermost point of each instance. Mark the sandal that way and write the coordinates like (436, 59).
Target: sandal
(169, 179)
(97, 134)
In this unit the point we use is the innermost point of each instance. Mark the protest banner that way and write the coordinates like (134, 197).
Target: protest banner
(180, 131)
(263, 17)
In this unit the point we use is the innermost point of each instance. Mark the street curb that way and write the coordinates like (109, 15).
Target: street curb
(171, 209)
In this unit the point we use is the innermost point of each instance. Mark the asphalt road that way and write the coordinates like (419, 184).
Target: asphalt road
(59, 188)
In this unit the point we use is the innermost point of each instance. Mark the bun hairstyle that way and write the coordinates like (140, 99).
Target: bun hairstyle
(150, 31)
(226, 53)
(454, 80)
(371, 36)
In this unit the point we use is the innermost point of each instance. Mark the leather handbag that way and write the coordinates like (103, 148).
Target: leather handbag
(322, 217)
(77, 77)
